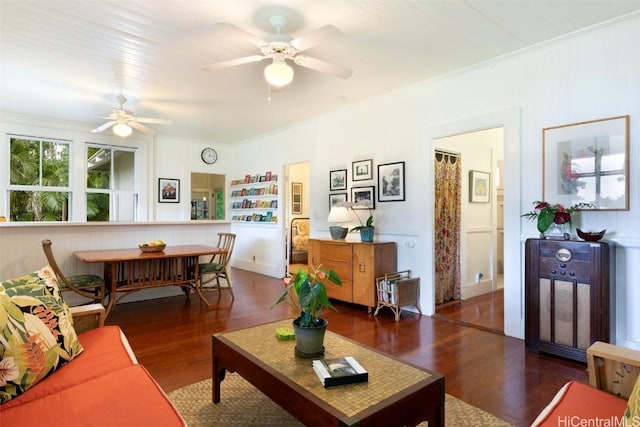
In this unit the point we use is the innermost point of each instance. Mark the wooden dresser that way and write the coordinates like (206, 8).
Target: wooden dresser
(569, 295)
(357, 263)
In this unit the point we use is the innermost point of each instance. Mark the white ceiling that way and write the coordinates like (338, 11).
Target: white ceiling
(69, 59)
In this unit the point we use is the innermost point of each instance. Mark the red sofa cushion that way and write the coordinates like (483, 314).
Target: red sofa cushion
(127, 397)
(106, 350)
(577, 401)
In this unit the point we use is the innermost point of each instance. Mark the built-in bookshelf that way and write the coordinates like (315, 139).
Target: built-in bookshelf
(255, 199)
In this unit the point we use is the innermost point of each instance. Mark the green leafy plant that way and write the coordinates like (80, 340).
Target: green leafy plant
(547, 214)
(311, 293)
(362, 225)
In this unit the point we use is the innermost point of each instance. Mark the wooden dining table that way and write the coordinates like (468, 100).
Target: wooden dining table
(130, 269)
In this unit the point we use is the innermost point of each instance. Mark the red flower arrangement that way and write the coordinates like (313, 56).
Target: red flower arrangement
(548, 214)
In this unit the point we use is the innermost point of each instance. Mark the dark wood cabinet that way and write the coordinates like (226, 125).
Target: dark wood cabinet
(569, 296)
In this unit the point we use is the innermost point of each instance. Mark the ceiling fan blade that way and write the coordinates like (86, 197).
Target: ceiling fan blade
(323, 66)
(141, 128)
(233, 62)
(236, 32)
(154, 121)
(104, 126)
(321, 35)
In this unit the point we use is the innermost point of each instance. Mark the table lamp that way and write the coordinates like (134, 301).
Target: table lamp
(338, 214)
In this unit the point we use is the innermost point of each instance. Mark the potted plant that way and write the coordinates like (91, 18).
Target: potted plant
(366, 229)
(307, 293)
(550, 217)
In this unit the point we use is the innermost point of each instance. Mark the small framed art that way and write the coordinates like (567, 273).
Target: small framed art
(337, 199)
(363, 197)
(296, 198)
(391, 182)
(479, 185)
(168, 190)
(362, 170)
(338, 180)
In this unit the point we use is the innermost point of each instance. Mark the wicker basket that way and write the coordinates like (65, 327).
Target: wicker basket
(152, 248)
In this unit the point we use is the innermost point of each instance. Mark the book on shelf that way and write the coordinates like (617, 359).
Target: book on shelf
(339, 371)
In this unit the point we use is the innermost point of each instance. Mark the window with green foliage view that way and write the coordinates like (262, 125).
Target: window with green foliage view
(39, 187)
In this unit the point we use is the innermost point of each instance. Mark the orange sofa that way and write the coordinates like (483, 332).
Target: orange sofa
(611, 398)
(103, 386)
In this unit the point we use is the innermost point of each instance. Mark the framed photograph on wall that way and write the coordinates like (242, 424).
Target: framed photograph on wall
(479, 185)
(587, 162)
(363, 197)
(362, 170)
(337, 199)
(391, 182)
(296, 198)
(168, 190)
(338, 180)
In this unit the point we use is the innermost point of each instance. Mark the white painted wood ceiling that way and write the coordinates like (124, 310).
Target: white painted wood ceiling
(69, 59)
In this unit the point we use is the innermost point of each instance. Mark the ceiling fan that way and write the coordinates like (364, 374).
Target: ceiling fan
(279, 48)
(124, 120)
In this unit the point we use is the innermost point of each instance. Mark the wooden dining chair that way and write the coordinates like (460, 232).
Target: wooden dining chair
(87, 285)
(218, 267)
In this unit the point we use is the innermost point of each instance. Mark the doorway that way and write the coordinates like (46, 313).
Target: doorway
(297, 213)
(207, 196)
(477, 297)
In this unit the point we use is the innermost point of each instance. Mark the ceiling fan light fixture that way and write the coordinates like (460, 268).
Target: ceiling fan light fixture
(122, 129)
(278, 74)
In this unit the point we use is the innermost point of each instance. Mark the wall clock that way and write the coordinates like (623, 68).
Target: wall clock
(209, 156)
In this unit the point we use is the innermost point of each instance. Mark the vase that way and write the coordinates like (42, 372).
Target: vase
(557, 232)
(366, 234)
(310, 340)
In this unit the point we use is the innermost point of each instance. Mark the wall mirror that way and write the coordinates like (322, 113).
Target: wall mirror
(207, 196)
(587, 162)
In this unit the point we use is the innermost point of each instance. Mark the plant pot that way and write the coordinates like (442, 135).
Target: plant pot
(557, 232)
(366, 234)
(310, 340)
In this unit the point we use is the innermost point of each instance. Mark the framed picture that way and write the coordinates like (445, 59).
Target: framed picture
(337, 199)
(168, 190)
(338, 180)
(363, 197)
(587, 162)
(391, 182)
(296, 198)
(362, 170)
(479, 185)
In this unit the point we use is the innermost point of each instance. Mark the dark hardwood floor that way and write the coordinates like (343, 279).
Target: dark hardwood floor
(172, 338)
(484, 311)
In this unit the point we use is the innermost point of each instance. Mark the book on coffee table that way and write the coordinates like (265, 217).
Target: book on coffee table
(339, 371)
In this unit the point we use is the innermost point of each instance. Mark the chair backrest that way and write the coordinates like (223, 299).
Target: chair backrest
(226, 241)
(48, 252)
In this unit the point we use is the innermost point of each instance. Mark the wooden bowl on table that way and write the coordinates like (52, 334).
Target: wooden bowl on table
(158, 248)
(590, 236)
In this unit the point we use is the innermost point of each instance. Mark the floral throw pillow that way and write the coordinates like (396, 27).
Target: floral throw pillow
(632, 414)
(36, 332)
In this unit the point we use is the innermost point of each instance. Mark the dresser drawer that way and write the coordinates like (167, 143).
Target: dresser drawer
(336, 251)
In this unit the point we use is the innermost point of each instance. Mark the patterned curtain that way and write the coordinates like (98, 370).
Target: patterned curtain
(447, 226)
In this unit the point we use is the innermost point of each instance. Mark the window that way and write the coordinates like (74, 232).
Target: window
(111, 194)
(39, 187)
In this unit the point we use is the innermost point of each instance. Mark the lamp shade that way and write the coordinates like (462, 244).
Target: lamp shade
(122, 129)
(278, 74)
(338, 214)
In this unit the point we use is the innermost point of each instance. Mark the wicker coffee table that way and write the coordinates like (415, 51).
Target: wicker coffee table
(397, 393)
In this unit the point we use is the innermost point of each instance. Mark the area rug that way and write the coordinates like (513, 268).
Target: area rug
(244, 405)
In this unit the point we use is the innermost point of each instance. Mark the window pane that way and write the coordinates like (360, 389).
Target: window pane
(25, 162)
(38, 206)
(124, 209)
(123, 170)
(98, 207)
(98, 168)
(55, 164)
